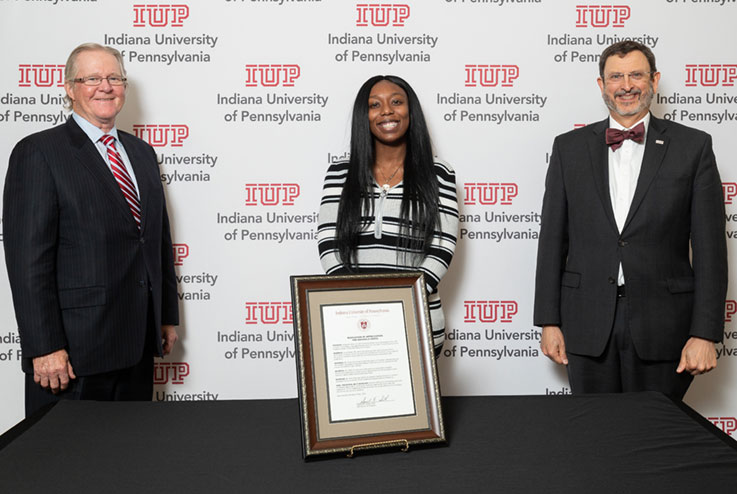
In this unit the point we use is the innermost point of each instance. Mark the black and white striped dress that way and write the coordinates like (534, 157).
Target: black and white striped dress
(377, 246)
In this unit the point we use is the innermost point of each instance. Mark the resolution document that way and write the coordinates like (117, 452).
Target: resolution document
(367, 361)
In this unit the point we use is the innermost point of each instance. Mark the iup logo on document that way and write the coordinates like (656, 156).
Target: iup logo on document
(272, 75)
(363, 324)
(489, 193)
(486, 75)
(41, 75)
(727, 424)
(181, 252)
(164, 15)
(711, 75)
(160, 135)
(271, 194)
(601, 15)
(382, 14)
(170, 372)
(268, 313)
(489, 311)
(729, 189)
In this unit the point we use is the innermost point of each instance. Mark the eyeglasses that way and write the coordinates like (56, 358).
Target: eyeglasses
(618, 77)
(94, 80)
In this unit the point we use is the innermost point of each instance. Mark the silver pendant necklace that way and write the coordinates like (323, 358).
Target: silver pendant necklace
(386, 185)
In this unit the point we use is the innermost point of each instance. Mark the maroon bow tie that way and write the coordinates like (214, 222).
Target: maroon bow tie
(615, 137)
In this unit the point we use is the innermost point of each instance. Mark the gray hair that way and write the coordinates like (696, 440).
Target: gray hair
(70, 71)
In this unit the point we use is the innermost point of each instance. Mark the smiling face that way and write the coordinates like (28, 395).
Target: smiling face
(388, 112)
(99, 105)
(628, 100)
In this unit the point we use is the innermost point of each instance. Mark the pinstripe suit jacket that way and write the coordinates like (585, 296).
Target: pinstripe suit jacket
(80, 271)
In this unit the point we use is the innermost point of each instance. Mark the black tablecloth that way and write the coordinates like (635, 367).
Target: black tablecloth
(640, 442)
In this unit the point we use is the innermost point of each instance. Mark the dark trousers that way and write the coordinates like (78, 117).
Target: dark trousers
(130, 384)
(619, 369)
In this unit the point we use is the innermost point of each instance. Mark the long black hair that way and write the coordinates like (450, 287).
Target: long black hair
(419, 213)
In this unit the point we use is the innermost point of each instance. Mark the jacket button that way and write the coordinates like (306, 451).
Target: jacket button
(143, 240)
(622, 243)
(611, 280)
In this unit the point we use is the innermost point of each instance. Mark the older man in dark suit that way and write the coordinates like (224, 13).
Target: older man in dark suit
(619, 299)
(88, 248)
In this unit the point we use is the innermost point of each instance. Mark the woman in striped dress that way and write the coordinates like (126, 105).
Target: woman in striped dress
(391, 206)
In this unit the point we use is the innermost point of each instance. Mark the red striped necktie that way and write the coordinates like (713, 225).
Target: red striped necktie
(123, 177)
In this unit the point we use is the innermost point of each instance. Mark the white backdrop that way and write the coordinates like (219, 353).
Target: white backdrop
(246, 102)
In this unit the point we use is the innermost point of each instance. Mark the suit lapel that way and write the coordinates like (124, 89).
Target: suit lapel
(656, 145)
(88, 155)
(599, 159)
(141, 167)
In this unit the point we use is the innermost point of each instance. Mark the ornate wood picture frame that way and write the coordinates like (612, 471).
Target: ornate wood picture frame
(366, 371)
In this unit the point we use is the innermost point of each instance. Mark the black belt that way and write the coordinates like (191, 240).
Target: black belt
(621, 292)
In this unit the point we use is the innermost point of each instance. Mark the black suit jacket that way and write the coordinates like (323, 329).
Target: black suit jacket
(677, 204)
(80, 271)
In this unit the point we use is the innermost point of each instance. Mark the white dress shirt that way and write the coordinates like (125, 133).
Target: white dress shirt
(624, 170)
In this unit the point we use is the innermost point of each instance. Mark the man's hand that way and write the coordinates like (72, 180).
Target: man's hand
(698, 356)
(553, 345)
(169, 337)
(53, 371)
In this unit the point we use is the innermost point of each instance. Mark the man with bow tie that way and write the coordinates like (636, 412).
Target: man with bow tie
(620, 302)
(88, 248)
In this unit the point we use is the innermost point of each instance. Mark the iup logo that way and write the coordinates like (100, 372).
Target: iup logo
(601, 15)
(268, 313)
(41, 75)
(485, 75)
(272, 75)
(170, 372)
(489, 193)
(729, 190)
(165, 15)
(271, 194)
(160, 135)
(381, 14)
(489, 311)
(727, 424)
(711, 75)
(181, 252)
(730, 309)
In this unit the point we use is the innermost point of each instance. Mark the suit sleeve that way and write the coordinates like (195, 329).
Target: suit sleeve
(552, 248)
(169, 294)
(709, 248)
(31, 223)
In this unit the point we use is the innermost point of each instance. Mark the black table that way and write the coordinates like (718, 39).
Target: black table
(641, 442)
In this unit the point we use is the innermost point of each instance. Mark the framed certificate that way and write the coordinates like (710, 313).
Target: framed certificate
(365, 367)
